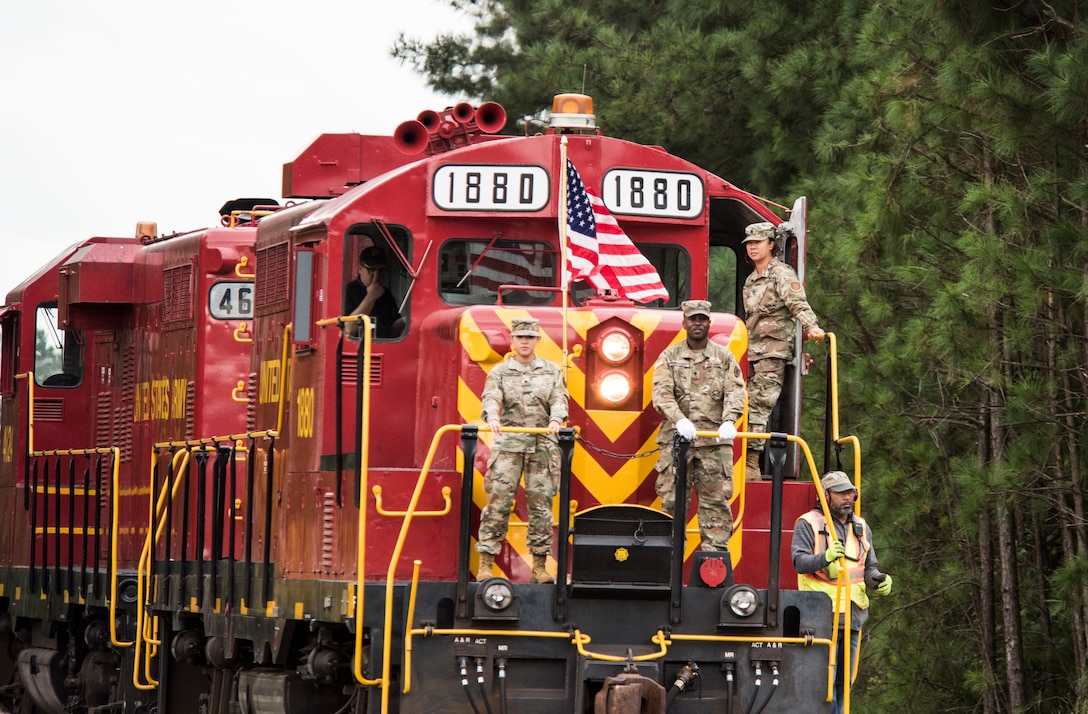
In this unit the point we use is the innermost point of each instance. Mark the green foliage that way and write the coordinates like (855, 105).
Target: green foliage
(944, 149)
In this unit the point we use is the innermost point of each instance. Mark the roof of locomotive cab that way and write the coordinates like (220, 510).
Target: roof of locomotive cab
(15, 295)
(608, 151)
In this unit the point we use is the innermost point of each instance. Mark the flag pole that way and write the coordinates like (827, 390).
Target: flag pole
(563, 265)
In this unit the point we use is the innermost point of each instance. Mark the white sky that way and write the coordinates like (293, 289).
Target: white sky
(119, 111)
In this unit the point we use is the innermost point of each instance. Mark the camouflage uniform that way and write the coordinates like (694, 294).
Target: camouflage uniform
(705, 386)
(773, 304)
(525, 395)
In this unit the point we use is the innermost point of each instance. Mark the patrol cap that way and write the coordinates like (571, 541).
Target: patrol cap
(695, 307)
(759, 231)
(837, 481)
(525, 327)
(372, 257)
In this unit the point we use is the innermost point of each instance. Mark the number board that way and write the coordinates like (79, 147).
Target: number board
(660, 194)
(231, 300)
(483, 187)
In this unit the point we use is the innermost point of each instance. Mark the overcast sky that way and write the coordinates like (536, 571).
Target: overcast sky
(114, 112)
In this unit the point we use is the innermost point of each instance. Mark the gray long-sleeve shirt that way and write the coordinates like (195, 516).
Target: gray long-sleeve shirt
(807, 562)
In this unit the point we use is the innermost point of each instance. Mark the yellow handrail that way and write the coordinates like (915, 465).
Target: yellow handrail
(446, 492)
(364, 467)
(391, 573)
(115, 452)
(395, 558)
(413, 593)
(240, 266)
(241, 331)
(833, 354)
(659, 639)
(843, 578)
(179, 467)
(29, 377)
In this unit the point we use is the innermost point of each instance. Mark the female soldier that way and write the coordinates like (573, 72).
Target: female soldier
(774, 302)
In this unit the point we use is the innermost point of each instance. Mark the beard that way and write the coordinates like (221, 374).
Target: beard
(843, 511)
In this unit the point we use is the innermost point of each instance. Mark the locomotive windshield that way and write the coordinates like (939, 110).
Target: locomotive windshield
(472, 270)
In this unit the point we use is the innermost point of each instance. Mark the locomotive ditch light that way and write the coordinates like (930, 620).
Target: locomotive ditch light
(614, 388)
(496, 600)
(615, 347)
(741, 605)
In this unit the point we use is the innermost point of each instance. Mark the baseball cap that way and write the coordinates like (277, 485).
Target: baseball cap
(372, 257)
(837, 481)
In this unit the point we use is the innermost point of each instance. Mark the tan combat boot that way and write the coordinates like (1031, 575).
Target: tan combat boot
(484, 572)
(540, 572)
(751, 467)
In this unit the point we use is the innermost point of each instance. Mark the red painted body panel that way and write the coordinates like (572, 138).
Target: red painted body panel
(215, 378)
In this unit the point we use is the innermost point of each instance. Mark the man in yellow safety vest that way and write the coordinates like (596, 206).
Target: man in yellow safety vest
(818, 554)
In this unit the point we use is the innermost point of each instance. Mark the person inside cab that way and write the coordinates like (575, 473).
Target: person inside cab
(368, 295)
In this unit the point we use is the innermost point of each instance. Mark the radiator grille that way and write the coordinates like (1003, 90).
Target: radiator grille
(273, 288)
(177, 294)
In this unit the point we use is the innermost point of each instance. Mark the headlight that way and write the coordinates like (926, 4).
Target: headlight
(497, 595)
(614, 388)
(616, 347)
(743, 601)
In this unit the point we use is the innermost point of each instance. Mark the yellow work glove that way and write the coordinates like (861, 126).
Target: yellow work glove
(835, 550)
(885, 587)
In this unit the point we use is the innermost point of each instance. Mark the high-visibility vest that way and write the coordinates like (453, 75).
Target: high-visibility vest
(857, 550)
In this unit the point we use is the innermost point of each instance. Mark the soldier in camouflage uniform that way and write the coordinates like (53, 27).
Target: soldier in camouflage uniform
(698, 386)
(774, 302)
(523, 391)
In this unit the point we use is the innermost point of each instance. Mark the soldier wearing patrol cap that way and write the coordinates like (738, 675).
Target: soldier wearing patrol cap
(774, 302)
(523, 391)
(697, 386)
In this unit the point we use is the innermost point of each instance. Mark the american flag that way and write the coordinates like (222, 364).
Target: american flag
(599, 252)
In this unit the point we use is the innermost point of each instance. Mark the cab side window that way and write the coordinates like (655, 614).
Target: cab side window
(377, 282)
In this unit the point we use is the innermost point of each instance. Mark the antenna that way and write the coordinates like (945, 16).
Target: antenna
(583, 79)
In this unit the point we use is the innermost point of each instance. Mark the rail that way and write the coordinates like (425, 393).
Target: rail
(409, 513)
(843, 576)
(361, 488)
(577, 637)
(160, 518)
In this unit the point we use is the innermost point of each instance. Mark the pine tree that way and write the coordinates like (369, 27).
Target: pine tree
(943, 148)
(957, 172)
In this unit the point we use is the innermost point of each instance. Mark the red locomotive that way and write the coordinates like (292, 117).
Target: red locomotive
(223, 503)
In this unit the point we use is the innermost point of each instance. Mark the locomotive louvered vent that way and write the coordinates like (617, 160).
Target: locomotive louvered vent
(123, 415)
(102, 422)
(48, 409)
(177, 294)
(273, 289)
(190, 409)
(251, 402)
(349, 365)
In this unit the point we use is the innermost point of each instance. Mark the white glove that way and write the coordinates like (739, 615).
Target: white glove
(686, 429)
(727, 432)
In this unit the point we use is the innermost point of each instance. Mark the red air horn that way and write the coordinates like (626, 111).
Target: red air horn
(453, 127)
